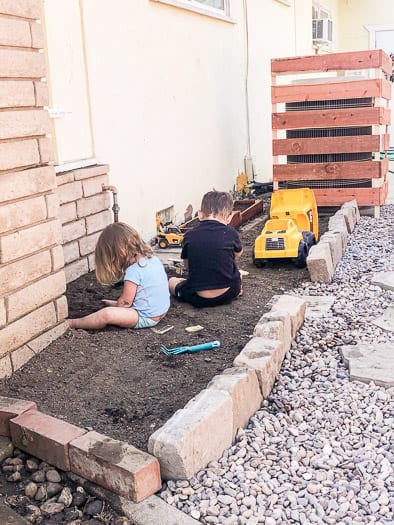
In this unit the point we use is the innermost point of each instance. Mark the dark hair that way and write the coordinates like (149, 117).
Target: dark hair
(217, 203)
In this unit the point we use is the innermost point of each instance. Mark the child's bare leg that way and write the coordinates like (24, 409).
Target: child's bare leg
(123, 317)
(173, 282)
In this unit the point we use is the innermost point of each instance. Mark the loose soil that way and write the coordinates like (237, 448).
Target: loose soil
(118, 382)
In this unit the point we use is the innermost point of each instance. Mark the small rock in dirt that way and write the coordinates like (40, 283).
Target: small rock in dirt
(31, 489)
(38, 476)
(66, 497)
(52, 508)
(53, 476)
(14, 477)
(53, 488)
(94, 507)
(79, 499)
(31, 465)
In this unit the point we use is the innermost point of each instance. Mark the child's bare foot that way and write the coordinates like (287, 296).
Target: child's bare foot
(70, 323)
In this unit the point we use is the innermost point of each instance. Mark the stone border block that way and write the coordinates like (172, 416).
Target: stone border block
(243, 386)
(350, 218)
(194, 435)
(334, 240)
(283, 317)
(319, 263)
(45, 437)
(352, 204)
(265, 356)
(10, 408)
(115, 465)
(294, 306)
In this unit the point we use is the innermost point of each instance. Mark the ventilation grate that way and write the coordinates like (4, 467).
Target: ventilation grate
(325, 184)
(345, 103)
(328, 132)
(274, 243)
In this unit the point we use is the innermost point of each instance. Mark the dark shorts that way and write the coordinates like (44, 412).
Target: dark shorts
(182, 293)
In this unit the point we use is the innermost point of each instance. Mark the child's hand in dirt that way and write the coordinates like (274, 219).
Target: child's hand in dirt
(108, 302)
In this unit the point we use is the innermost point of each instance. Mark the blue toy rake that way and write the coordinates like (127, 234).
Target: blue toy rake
(195, 348)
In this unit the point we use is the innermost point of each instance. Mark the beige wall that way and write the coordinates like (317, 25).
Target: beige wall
(355, 14)
(166, 90)
(167, 95)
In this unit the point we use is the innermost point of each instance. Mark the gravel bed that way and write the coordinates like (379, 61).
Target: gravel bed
(321, 448)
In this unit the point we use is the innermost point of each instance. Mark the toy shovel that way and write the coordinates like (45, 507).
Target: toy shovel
(195, 348)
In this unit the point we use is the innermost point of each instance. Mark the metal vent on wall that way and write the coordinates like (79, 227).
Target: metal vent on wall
(329, 132)
(344, 103)
(325, 184)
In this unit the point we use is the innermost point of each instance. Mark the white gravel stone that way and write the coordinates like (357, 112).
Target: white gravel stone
(320, 449)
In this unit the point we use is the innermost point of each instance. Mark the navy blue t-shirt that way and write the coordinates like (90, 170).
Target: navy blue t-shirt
(210, 248)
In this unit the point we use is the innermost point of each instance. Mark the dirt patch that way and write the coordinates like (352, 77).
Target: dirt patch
(118, 382)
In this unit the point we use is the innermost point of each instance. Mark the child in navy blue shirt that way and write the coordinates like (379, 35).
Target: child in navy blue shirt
(209, 253)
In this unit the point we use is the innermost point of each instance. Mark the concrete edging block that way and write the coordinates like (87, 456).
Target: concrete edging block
(334, 240)
(319, 263)
(243, 386)
(294, 306)
(194, 435)
(265, 356)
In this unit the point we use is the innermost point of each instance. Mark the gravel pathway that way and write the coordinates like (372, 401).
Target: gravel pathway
(321, 448)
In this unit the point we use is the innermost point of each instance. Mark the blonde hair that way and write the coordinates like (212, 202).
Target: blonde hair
(118, 246)
(217, 203)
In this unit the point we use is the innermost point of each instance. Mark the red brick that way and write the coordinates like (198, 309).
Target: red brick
(27, 182)
(10, 408)
(41, 93)
(24, 123)
(37, 35)
(45, 437)
(19, 154)
(115, 465)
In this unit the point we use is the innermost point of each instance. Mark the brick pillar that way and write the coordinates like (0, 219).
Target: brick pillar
(32, 280)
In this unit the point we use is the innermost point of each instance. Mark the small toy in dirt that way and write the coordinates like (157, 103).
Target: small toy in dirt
(168, 234)
(292, 229)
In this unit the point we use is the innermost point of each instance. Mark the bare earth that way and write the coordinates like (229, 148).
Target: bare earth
(118, 382)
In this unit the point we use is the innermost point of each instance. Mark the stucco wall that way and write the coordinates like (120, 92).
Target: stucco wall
(32, 281)
(355, 15)
(167, 94)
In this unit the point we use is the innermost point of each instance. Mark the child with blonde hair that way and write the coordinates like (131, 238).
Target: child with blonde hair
(121, 254)
(209, 252)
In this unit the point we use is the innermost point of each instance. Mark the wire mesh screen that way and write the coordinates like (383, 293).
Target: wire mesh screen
(345, 103)
(328, 157)
(328, 132)
(325, 184)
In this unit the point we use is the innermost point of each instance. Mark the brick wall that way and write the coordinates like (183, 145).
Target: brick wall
(39, 211)
(32, 280)
(83, 213)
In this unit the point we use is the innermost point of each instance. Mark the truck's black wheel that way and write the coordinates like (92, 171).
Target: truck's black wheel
(259, 263)
(309, 239)
(300, 261)
(163, 243)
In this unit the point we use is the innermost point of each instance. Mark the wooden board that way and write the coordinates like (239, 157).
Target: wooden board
(331, 171)
(331, 118)
(311, 146)
(351, 60)
(373, 88)
(364, 196)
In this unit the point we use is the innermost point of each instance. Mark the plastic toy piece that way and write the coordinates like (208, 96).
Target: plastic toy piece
(196, 348)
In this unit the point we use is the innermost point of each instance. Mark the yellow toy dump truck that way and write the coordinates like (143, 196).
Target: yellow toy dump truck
(168, 234)
(292, 229)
